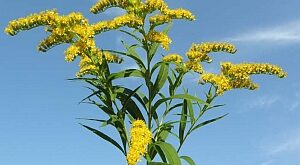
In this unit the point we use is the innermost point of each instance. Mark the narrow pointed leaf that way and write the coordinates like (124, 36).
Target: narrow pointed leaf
(182, 124)
(169, 152)
(191, 111)
(105, 137)
(159, 163)
(134, 55)
(178, 96)
(208, 122)
(126, 73)
(188, 160)
(161, 78)
(130, 106)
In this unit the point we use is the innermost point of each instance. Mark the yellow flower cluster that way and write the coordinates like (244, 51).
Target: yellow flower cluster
(140, 138)
(61, 27)
(48, 17)
(243, 70)
(90, 64)
(87, 66)
(179, 14)
(159, 19)
(140, 9)
(173, 58)
(200, 52)
(152, 5)
(129, 20)
(159, 37)
(74, 29)
(131, 6)
(167, 14)
(235, 76)
(102, 5)
(220, 81)
(194, 66)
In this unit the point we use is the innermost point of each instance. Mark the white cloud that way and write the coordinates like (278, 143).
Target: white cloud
(294, 106)
(295, 103)
(290, 144)
(265, 101)
(287, 33)
(269, 162)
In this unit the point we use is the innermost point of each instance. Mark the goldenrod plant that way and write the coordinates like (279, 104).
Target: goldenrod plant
(145, 107)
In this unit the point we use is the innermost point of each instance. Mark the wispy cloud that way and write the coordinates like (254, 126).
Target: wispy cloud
(287, 33)
(269, 162)
(265, 101)
(289, 144)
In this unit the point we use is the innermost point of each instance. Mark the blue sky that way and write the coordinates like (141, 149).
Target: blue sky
(39, 106)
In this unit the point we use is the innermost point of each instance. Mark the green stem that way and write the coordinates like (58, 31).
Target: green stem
(209, 100)
(148, 76)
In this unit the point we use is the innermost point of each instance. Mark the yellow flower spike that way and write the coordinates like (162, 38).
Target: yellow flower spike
(111, 58)
(173, 58)
(152, 5)
(31, 21)
(179, 14)
(84, 31)
(208, 47)
(72, 52)
(243, 83)
(220, 81)
(243, 70)
(195, 55)
(100, 27)
(129, 20)
(200, 51)
(86, 67)
(89, 66)
(195, 66)
(140, 138)
(159, 37)
(159, 19)
(102, 5)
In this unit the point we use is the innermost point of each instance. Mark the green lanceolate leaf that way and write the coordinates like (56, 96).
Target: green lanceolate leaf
(132, 35)
(105, 109)
(177, 82)
(161, 78)
(215, 106)
(119, 125)
(169, 152)
(155, 46)
(159, 163)
(175, 106)
(178, 96)
(130, 106)
(136, 95)
(126, 100)
(105, 137)
(182, 124)
(188, 160)
(125, 73)
(208, 122)
(191, 110)
(134, 55)
(164, 130)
